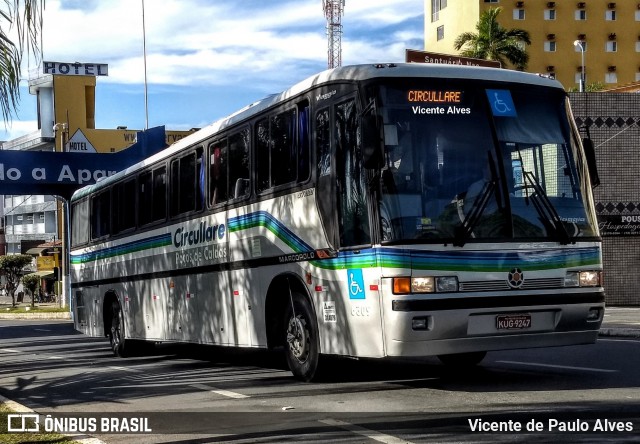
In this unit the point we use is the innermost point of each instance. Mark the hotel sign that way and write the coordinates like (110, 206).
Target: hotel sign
(414, 56)
(75, 69)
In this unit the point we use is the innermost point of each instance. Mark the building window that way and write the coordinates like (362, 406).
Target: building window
(29, 217)
(578, 77)
(19, 217)
(518, 14)
(638, 77)
(612, 46)
(610, 15)
(440, 32)
(637, 16)
(436, 7)
(611, 77)
(584, 47)
(549, 14)
(491, 1)
(581, 14)
(550, 46)
(637, 46)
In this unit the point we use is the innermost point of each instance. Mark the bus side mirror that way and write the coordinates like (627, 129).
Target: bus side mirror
(371, 141)
(590, 154)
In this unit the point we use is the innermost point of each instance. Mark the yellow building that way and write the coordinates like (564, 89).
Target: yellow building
(609, 31)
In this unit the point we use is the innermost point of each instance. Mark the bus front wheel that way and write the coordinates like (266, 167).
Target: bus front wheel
(302, 347)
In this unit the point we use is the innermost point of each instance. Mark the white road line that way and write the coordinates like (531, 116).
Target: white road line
(9, 350)
(123, 369)
(564, 367)
(219, 392)
(371, 434)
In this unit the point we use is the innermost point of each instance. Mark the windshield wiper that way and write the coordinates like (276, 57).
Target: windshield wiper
(549, 216)
(463, 232)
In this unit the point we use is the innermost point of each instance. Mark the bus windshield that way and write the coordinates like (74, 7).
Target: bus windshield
(474, 161)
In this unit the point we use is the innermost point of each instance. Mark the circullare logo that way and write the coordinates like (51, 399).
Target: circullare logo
(516, 278)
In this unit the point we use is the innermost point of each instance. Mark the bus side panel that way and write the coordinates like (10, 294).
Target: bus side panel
(348, 312)
(153, 300)
(88, 311)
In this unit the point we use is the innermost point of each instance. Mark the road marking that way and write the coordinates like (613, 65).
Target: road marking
(9, 350)
(371, 434)
(219, 392)
(123, 369)
(564, 367)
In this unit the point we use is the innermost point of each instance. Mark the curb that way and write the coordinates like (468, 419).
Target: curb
(620, 332)
(19, 408)
(38, 316)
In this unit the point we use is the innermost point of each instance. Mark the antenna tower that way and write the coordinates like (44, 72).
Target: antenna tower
(333, 10)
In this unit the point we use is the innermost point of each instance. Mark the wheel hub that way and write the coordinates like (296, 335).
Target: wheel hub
(298, 339)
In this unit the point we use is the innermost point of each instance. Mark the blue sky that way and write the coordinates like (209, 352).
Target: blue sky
(208, 58)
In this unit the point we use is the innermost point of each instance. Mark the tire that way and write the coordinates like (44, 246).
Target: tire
(461, 360)
(116, 332)
(301, 342)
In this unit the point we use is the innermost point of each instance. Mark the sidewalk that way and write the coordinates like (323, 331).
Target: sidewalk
(24, 311)
(621, 322)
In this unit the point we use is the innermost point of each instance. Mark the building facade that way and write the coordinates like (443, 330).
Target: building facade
(613, 123)
(608, 32)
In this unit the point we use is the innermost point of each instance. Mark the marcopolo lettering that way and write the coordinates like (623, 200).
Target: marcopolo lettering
(204, 233)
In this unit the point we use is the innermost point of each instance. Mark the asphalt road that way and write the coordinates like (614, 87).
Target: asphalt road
(206, 394)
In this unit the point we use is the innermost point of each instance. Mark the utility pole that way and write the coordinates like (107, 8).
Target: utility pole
(333, 10)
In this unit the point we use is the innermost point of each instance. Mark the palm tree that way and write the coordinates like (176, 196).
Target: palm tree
(494, 42)
(20, 28)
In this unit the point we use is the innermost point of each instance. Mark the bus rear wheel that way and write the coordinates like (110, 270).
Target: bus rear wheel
(458, 360)
(116, 331)
(302, 346)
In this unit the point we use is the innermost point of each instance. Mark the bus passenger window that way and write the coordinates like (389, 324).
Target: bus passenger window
(185, 184)
(239, 164)
(80, 223)
(145, 198)
(101, 215)
(124, 198)
(218, 187)
(159, 194)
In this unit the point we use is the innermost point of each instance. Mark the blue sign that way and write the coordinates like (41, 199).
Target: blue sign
(356, 283)
(61, 174)
(501, 103)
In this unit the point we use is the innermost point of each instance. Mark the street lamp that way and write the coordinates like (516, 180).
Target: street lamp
(581, 45)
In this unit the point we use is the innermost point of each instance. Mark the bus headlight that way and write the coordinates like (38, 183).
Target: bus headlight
(422, 285)
(446, 284)
(589, 278)
(425, 284)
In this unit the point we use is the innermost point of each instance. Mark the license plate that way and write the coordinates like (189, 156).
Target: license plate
(513, 322)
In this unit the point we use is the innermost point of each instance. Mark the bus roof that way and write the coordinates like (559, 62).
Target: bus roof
(351, 73)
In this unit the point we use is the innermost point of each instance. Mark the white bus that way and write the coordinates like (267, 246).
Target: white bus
(368, 211)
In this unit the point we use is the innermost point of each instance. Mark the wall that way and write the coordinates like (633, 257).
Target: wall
(614, 125)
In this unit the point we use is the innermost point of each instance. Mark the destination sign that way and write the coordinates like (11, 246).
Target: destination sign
(435, 96)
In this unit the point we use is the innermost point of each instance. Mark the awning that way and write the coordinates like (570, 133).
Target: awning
(36, 250)
(44, 274)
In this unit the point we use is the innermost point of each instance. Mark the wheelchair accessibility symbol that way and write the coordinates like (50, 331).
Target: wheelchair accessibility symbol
(501, 103)
(356, 284)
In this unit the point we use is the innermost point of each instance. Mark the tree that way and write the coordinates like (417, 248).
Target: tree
(12, 267)
(20, 28)
(494, 42)
(31, 282)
